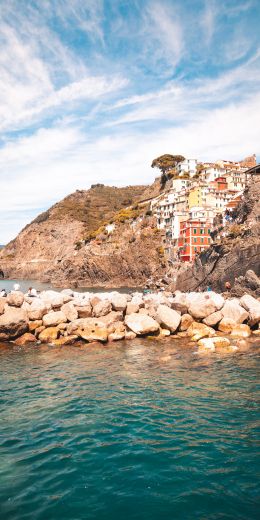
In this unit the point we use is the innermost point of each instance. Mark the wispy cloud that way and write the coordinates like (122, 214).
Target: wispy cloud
(164, 26)
(208, 20)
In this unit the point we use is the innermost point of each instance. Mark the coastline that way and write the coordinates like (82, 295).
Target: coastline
(211, 321)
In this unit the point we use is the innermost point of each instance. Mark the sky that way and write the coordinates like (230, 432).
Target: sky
(91, 91)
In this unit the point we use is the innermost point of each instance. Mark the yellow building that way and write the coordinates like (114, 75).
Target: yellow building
(197, 196)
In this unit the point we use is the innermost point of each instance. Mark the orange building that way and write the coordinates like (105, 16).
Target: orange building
(194, 238)
(219, 184)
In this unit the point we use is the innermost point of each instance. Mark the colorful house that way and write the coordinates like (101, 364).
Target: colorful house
(194, 238)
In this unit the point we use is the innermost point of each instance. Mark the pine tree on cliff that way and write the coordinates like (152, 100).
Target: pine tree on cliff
(166, 163)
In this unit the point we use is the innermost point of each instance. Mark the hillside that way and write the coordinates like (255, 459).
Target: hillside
(69, 245)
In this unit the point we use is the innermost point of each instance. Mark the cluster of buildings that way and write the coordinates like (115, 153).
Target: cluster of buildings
(201, 196)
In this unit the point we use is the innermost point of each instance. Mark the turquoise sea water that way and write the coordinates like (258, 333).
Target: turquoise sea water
(137, 430)
(41, 286)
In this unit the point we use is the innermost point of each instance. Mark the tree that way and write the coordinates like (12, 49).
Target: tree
(166, 162)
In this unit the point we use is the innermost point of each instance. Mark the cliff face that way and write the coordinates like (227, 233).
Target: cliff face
(234, 254)
(69, 244)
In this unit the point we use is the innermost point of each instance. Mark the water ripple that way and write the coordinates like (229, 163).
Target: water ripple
(136, 431)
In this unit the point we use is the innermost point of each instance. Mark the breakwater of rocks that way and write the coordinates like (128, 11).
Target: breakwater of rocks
(211, 320)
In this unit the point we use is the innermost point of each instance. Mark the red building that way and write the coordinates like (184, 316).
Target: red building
(219, 184)
(194, 238)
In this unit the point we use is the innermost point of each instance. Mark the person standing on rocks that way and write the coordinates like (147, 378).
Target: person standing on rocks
(227, 286)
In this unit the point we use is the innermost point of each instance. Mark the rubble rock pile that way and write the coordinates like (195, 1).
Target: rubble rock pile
(70, 317)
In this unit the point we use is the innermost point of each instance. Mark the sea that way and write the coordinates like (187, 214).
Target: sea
(8, 285)
(140, 430)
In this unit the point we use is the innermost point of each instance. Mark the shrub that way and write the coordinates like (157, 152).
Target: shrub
(235, 230)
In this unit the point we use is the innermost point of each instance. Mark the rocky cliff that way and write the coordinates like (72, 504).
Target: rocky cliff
(70, 245)
(236, 252)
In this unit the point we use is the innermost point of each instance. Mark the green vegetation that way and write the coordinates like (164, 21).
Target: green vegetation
(166, 164)
(97, 205)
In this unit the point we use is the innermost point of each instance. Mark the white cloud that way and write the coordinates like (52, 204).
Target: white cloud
(49, 165)
(180, 102)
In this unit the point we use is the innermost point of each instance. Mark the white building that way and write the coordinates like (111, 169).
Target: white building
(236, 180)
(187, 166)
(211, 173)
(180, 184)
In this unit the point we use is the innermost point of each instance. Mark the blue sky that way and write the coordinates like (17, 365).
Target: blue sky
(93, 90)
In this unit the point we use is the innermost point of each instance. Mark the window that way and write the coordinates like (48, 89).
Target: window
(202, 240)
(208, 231)
(194, 231)
(202, 231)
(195, 240)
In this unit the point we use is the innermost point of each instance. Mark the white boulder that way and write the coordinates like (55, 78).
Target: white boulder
(141, 324)
(167, 317)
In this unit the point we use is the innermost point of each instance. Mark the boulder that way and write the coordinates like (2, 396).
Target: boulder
(201, 308)
(13, 323)
(132, 308)
(221, 342)
(24, 339)
(49, 334)
(226, 325)
(129, 334)
(68, 292)
(213, 319)
(186, 321)
(241, 330)
(168, 318)
(53, 298)
(70, 312)
(252, 280)
(84, 310)
(118, 301)
(164, 332)
(62, 341)
(54, 318)
(94, 300)
(253, 307)
(62, 326)
(15, 299)
(181, 308)
(198, 331)
(112, 317)
(33, 325)
(144, 311)
(93, 333)
(141, 324)
(116, 331)
(3, 303)
(102, 308)
(39, 330)
(206, 345)
(212, 344)
(37, 309)
(216, 298)
(137, 300)
(233, 310)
